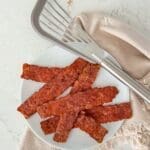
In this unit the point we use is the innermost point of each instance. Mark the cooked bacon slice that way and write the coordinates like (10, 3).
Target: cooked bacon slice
(52, 89)
(90, 126)
(84, 82)
(78, 101)
(49, 126)
(64, 126)
(104, 114)
(86, 78)
(40, 74)
(101, 114)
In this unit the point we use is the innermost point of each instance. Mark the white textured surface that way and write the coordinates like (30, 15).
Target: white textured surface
(19, 44)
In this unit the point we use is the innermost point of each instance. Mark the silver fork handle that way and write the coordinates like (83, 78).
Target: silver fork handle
(133, 84)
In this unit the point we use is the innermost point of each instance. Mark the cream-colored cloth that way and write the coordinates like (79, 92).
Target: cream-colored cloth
(132, 51)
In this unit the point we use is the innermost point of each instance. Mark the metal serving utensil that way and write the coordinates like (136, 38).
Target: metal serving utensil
(53, 22)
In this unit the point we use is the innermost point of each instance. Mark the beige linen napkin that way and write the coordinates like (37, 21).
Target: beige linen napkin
(132, 51)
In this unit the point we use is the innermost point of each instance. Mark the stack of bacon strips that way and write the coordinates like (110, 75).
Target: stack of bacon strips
(82, 108)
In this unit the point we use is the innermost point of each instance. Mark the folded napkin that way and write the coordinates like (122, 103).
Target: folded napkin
(132, 51)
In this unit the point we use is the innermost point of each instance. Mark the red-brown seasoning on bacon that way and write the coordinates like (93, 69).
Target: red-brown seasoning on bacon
(104, 114)
(86, 78)
(64, 126)
(78, 101)
(90, 126)
(49, 126)
(52, 89)
(40, 74)
(84, 82)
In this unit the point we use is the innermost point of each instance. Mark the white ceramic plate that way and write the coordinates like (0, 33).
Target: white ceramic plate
(77, 139)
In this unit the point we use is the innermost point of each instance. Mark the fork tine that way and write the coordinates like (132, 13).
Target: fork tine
(65, 38)
(68, 34)
(53, 28)
(58, 27)
(61, 23)
(55, 17)
(57, 12)
(62, 9)
(50, 28)
(79, 39)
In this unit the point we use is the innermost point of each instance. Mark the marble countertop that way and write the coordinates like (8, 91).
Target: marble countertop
(20, 44)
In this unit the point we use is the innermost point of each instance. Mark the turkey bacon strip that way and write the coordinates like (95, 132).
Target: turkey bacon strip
(101, 114)
(78, 101)
(84, 82)
(86, 78)
(104, 114)
(91, 127)
(40, 73)
(52, 89)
